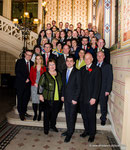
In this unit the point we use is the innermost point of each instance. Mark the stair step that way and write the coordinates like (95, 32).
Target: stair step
(30, 105)
(61, 122)
(61, 113)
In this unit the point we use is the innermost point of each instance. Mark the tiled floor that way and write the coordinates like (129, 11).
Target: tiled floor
(32, 138)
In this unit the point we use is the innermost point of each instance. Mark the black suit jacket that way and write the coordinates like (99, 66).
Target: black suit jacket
(51, 56)
(90, 83)
(61, 63)
(22, 73)
(106, 78)
(107, 54)
(71, 90)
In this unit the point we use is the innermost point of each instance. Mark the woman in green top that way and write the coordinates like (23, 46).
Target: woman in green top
(80, 62)
(49, 88)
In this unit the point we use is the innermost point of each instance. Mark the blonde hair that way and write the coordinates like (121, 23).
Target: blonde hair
(35, 63)
(43, 39)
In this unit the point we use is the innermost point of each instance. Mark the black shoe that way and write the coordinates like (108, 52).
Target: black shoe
(39, 118)
(91, 139)
(22, 117)
(54, 129)
(103, 123)
(67, 139)
(84, 134)
(64, 133)
(35, 117)
(46, 132)
(27, 115)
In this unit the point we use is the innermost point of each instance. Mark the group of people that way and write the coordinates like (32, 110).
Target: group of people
(67, 66)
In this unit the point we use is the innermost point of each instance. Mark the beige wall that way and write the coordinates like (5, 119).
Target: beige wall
(7, 63)
(72, 11)
(120, 99)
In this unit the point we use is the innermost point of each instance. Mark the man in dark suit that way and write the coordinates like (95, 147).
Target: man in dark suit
(70, 95)
(90, 88)
(61, 62)
(101, 47)
(85, 44)
(22, 83)
(49, 35)
(66, 28)
(48, 54)
(106, 84)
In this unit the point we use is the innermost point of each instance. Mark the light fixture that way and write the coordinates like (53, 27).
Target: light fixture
(15, 21)
(44, 4)
(26, 14)
(35, 21)
(46, 9)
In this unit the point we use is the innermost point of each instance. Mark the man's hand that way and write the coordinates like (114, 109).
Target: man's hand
(36, 85)
(27, 80)
(62, 99)
(41, 98)
(92, 101)
(107, 93)
(74, 102)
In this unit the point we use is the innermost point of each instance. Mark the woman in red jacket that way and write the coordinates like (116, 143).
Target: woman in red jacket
(36, 71)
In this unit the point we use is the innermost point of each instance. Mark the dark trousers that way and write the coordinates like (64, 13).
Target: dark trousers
(88, 113)
(71, 116)
(23, 97)
(103, 106)
(37, 107)
(50, 114)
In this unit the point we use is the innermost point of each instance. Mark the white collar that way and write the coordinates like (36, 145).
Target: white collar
(26, 60)
(88, 66)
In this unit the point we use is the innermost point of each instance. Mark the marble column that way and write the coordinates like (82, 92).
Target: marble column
(7, 8)
(113, 4)
(40, 16)
(90, 8)
(107, 22)
(94, 12)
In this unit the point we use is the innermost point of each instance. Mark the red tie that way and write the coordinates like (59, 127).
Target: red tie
(46, 58)
(84, 47)
(27, 67)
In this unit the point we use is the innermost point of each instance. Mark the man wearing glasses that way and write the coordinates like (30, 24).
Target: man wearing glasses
(48, 54)
(22, 83)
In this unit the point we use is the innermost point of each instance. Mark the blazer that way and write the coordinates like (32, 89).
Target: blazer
(81, 65)
(107, 54)
(106, 78)
(71, 90)
(22, 73)
(61, 63)
(51, 56)
(46, 85)
(33, 73)
(90, 83)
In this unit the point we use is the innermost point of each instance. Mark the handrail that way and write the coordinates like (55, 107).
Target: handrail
(8, 27)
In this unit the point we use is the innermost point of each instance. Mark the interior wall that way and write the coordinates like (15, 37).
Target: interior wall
(99, 17)
(72, 11)
(7, 63)
(120, 59)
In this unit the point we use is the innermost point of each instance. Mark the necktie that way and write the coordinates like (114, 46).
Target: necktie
(67, 75)
(100, 49)
(84, 47)
(47, 56)
(27, 67)
(99, 65)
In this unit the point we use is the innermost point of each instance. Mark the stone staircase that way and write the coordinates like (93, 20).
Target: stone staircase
(13, 118)
(11, 38)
